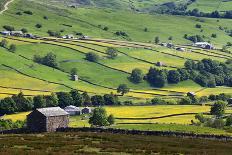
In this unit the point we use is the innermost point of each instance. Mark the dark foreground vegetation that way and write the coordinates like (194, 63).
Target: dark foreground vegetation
(106, 143)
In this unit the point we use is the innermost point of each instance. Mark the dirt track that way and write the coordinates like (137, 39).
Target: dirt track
(6, 6)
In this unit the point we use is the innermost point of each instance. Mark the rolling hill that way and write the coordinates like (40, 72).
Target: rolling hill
(102, 76)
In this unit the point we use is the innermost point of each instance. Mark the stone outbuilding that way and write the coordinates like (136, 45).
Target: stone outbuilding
(73, 110)
(75, 77)
(86, 110)
(47, 119)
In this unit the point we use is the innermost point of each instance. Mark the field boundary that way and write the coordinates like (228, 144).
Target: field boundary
(165, 116)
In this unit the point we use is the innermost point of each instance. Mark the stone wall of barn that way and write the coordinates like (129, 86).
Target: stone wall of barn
(36, 122)
(56, 122)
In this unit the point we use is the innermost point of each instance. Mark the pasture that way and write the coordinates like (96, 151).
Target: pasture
(145, 118)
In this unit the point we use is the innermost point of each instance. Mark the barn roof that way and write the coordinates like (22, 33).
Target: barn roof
(53, 111)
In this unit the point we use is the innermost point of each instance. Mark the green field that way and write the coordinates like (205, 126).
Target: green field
(144, 118)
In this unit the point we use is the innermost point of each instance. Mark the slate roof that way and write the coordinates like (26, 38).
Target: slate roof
(53, 111)
(72, 108)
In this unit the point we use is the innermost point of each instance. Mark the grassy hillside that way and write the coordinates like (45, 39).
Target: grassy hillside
(88, 20)
(212, 5)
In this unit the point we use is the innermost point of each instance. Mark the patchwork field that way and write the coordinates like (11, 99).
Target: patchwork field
(175, 118)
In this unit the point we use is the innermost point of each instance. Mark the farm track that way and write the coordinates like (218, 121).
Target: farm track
(5, 7)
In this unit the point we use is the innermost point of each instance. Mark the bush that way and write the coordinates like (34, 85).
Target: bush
(229, 121)
(112, 52)
(38, 26)
(28, 12)
(185, 101)
(218, 109)
(198, 26)
(91, 56)
(158, 101)
(12, 48)
(24, 30)
(8, 28)
(136, 75)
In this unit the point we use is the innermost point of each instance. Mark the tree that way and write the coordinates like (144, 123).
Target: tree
(111, 99)
(111, 119)
(86, 99)
(185, 101)
(8, 28)
(50, 60)
(123, 89)
(112, 52)
(91, 56)
(73, 71)
(22, 103)
(173, 76)
(24, 30)
(200, 117)
(218, 109)
(39, 101)
(12, 48)
(3, 43)
(77, 98)
(97, 100)
(229, 121)
(38, 26)
(145, 29)
(198, 26)
(156, 77)
(64, 99)
(158, 101)
(136, 75)
(170, 38)
(7, 106)
(157, 40)
(189, 64)
(99, 117)
(51, 100)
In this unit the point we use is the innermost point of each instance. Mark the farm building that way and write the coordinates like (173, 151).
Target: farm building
(16, 33)
(86, 110)
(160, 64)
(204, 45)
(181, 49)
(68, 36)
(47, 119)
(73, 110)
(75, 77)
(191, 94)
(6, 33)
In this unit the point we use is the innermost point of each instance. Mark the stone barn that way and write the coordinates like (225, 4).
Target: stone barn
(47, 119)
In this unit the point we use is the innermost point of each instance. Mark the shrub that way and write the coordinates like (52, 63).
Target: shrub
(8, 28)
(38, 26)
(218, 108)
(136, 75)
(28, 12)
(229, 121)
(198, 26)
(24, 30)
(12, 48)
(158, 101)
(91, 56)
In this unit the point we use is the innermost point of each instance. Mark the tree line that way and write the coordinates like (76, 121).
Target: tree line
(207, 73)
(21, 103)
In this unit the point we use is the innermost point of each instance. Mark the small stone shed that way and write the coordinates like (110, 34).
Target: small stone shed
(47, 119)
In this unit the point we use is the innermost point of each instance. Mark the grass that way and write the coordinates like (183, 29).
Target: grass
(174, 127)
(211, 5)
(106, 143)
(86, 20)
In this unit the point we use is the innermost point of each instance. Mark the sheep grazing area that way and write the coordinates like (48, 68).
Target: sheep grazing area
(107, 143)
